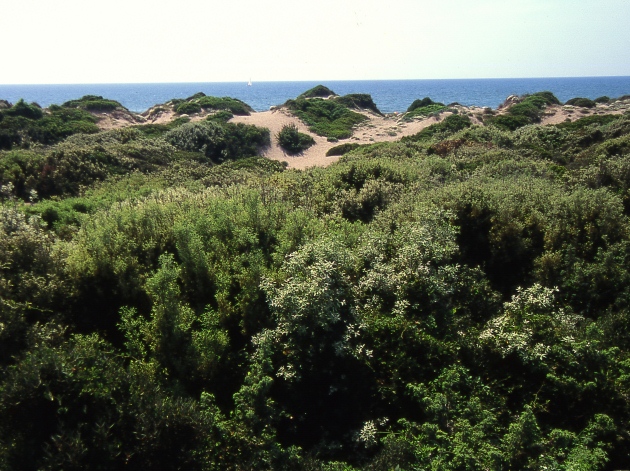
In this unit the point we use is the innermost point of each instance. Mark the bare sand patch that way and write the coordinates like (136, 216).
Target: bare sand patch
(376, 129)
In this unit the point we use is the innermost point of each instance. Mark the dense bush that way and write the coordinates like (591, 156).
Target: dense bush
(426, 101)
(581, 102)
(188, 107)
(327, 118)
(93, 103)
(528, 110)
(455, 300)
(319, 91)
(292, 141)
(32, 125)
(21, 108)
(451, 124)
(358, 101)
(220, 141)
(342, 149)
(232, 105)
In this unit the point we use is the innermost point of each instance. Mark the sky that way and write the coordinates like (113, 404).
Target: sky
(147, 41)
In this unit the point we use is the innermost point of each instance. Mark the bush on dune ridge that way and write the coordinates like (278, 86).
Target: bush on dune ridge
(527, 111)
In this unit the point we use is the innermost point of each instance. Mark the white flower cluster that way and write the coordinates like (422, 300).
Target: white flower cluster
(531, 315)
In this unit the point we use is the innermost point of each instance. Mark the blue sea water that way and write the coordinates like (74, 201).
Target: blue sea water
(389, 95)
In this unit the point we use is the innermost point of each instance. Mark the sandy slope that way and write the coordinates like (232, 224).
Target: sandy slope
(377, 129)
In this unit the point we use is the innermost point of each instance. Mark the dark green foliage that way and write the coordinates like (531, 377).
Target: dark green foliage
(27, 123)
(342, 149)
(581, 102)
(93, 103)
(327, 118)
(451, 124)
(424, 111)
(223, 116)
(423, 108)
(81, 160)
(527, 111)
(319, 91)
(196, 96)
(232, 105)
(509, 122)
(602, 99)
(188, 107)
(456, 300)
(31, 111)
(586, 121)
(426, 101)
(219, 141)
(549, 97)
(199, 101)
(358, 101)
(292, 141)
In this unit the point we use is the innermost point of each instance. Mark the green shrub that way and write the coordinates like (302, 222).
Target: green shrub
(19, 130)
(232, 105)
(586, 121)
(342, 149)
(31, 111)
(581, 102)
(219, 141)
(529, 110)
(424, 111)
(426, 101)
(550, 98)
(292, 141)
(319, 91)
(508, 122)
(188, 107)
(196, 96)
(326, 118)
(602, 99)
(358, 101)
(450, 125)
(93, 103)
(223, 116)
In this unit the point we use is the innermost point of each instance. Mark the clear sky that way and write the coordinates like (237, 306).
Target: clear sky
(108, 41)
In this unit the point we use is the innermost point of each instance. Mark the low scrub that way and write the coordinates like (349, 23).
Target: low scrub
(426, 101)
(23, 124)
(93, 103)
(359, 101)
(292, 141)
(327, 118)
(219, 141)
(450, 125)
(528, 111)
(342, 149)
(581, 102)
(318, 91)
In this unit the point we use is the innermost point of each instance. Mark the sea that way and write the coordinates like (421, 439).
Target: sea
(389, 95)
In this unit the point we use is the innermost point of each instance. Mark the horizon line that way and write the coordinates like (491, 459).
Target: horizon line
(317, 80)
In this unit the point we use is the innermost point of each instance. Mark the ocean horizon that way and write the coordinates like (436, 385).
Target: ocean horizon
(389, 95)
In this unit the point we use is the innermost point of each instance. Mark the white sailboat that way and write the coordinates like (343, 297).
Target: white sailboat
(249, 84)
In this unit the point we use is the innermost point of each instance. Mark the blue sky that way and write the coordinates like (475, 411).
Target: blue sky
(76, 41)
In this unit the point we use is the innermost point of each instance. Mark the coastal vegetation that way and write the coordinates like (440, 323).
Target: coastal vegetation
(458, 299)
(334, 116)
(201, 101)
(293, 141)
(23, 124)
(423, 108)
